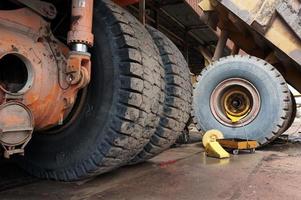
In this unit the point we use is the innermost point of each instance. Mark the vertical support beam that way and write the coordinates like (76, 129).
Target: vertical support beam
(235, 50)
(222, 42)
(142, 11)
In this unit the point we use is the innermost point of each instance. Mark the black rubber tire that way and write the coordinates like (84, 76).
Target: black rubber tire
(121, 109)
(293, 113)
(274, 92)
(289, 119)
(178, 97)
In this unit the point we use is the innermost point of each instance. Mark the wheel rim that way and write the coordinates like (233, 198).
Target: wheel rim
(235, 102)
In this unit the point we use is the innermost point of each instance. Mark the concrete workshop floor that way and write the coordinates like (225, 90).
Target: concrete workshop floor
(185, 173)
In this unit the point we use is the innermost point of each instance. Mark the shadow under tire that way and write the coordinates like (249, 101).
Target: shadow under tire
(120, 111)
(177, 102)
(268, 122)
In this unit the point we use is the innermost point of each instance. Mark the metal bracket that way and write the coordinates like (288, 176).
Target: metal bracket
(78, 69)
(9, 151)
(207, 5)
(7, 96)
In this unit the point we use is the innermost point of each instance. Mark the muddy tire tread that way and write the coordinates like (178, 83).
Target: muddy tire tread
(177, 103)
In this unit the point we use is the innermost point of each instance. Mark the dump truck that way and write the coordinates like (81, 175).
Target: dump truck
(89, 86)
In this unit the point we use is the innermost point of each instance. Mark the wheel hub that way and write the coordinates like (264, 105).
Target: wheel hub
(235, 102)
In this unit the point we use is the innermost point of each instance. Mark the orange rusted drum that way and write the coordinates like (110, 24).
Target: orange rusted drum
(47, 92)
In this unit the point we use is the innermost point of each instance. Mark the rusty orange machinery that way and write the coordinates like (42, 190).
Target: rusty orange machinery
(42, 93)
(40, 76)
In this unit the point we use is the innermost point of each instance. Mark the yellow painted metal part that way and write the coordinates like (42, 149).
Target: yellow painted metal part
(215, 150)
(236, 112)
(280, 35)
(207, 5)
(240, 144)
(260, 14)
(264, 27)
(235, 119)
(212, 136)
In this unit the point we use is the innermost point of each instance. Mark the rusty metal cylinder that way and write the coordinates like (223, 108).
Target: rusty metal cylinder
(222, 42)
(81, 23)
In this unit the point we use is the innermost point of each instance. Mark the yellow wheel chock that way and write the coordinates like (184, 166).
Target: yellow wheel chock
(212, 147)
(212, 136)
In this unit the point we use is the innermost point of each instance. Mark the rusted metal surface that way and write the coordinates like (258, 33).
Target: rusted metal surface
(81, 23)
(43, 8)
(221, 45)
(16, 122)
(80, 37)
(49, 93)
(78, 69)
(235, 49)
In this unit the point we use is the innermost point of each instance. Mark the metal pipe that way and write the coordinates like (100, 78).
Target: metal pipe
(81, 23)
(79, 47)
(222, 42)
(235, 49)
(142, 11)
(80, 37)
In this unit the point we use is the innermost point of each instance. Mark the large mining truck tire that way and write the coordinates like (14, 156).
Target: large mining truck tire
(178, 97)
(120, 111)
(234, 82)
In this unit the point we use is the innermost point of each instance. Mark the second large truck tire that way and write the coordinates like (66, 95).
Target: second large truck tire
(245, 88)
(177, 102)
